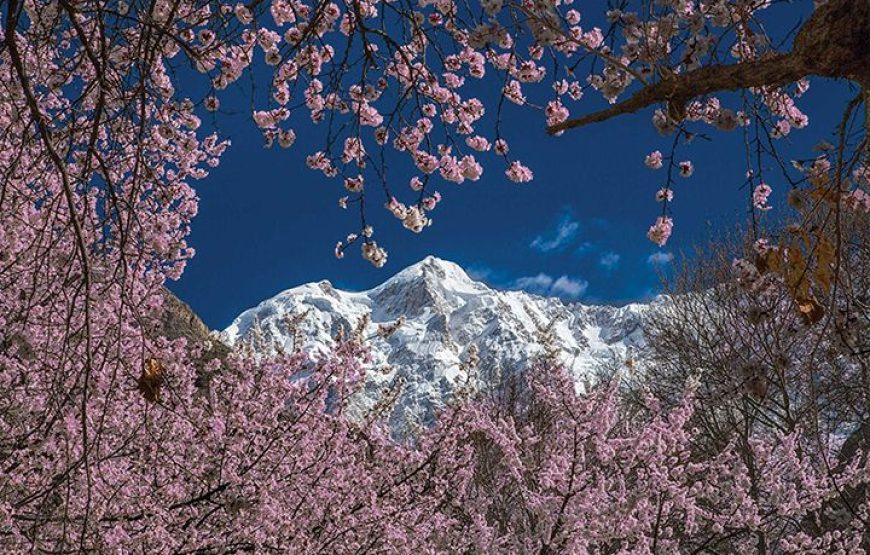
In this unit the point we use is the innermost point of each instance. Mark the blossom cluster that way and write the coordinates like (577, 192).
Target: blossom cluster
(429, 55)
(260, 453)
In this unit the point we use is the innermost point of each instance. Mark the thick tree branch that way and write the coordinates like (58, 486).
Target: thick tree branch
(676, 90)
(832, 43)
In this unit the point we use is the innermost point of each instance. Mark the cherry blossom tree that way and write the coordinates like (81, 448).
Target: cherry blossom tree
(255, 454)
(400, 76)
(115, 437)
(765, 369)
(558, 472)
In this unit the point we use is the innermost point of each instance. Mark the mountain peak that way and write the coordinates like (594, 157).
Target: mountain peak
(437, 265)
(432, 283)
(435, 272)
(433, 261)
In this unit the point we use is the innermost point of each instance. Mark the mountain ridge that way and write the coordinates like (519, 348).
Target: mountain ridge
(445, 316)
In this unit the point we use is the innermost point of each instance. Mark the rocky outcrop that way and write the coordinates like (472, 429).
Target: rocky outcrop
(179, 320)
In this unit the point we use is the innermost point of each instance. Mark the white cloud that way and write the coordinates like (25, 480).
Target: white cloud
(565, 232)
(609, 260)
(660, 257)
(543, 284)
(569, 287)
(584, 248)
(479, 273)
(540, 283)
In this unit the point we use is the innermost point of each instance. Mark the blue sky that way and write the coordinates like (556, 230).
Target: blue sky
(267, 223)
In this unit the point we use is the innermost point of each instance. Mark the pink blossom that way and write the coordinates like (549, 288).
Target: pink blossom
(555, 112)
(660, 232)
(426, 162)
(686, 168)
(478, 143)
(354, 184)
(430, 202)
(760, 196)
(857, 200)
(665, 195)
(572, 17)
(653, 160)
(471, 169)
(519, 173)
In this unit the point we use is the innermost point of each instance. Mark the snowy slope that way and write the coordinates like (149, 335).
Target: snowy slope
(445, 312)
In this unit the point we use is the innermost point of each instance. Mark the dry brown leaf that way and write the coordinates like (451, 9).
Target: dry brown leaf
(810, 310)
(151, 379)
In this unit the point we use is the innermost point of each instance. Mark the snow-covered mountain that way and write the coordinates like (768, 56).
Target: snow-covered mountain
(446, 317)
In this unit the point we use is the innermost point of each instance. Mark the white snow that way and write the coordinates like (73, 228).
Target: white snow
(445, 312)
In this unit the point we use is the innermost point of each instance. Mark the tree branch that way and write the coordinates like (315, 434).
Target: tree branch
(775, 71)
(832, 43)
